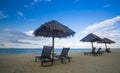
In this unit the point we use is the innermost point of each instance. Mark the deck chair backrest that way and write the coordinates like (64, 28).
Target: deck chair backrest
(46, 53)
(64, 52)
(98, 50)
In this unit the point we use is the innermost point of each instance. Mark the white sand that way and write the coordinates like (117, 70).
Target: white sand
(24, 63)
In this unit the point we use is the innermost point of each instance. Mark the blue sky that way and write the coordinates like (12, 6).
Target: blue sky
(19, 18)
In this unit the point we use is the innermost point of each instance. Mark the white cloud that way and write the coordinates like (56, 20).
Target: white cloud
(20, 13)
(106, 6)
(108, 28)
(48, 0)
(10, 38)
(75, 1)
(34, 2)
(2, 15)
(110, 32)
(29, 33)
(103, 24)
(1, 44)
(11, 35)
(26, 6)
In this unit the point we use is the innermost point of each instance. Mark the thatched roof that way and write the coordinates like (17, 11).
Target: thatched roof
(106, 40)
(91, 38)
(53, 29)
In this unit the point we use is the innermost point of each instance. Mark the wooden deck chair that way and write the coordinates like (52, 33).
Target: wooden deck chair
(99, 52)
(64, 55)
(45, 56)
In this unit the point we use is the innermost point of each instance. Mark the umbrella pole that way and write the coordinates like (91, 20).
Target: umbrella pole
(92, 45)
(53, 47)
(106, 45)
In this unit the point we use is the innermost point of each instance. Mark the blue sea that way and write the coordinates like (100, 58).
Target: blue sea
(36, 50)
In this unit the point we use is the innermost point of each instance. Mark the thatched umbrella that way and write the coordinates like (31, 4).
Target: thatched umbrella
(91, 38)
(53, 29)
(106, 41)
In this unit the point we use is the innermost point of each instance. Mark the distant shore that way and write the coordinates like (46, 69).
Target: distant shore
(24, 63)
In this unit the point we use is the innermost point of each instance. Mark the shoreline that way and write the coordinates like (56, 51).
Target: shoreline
(24, 63)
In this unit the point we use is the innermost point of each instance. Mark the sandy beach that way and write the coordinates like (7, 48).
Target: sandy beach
(24, 63)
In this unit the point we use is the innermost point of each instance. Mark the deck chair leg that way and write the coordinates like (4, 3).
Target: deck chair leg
(61, 60)
(69, 59)
(52, 62)
(41, 63)
(84, 53)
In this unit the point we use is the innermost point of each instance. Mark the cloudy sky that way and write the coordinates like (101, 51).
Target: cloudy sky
(19, 18)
